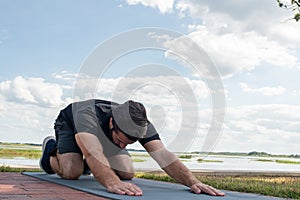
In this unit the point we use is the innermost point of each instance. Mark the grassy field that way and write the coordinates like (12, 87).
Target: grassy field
(25, 153)
(280, 161)
(285, 187)
(5, 168)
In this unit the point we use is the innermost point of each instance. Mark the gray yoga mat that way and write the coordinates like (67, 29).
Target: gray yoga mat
(151, 189)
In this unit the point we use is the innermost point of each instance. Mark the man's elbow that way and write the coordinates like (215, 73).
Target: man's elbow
(125, 175)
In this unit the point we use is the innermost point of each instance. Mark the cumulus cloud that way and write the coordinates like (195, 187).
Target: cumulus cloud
(32, 90)
(65, 76)
(68, 79)
(230, 53)
(165, 6)
(192, 9)
(265, 17)
(267, 91)
(239, 36)
(235, 52)
(167, 99)
(256, 126)
(32, 121)
(122, 88)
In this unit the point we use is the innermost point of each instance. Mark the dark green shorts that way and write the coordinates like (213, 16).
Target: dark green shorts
(65, 137)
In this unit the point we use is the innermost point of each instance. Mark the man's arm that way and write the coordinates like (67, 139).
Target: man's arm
(177, 170)
(99, 165)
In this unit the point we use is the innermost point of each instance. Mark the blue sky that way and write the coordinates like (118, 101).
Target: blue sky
(43, 45)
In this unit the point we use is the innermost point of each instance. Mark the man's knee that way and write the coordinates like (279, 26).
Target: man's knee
(71, 172)
(70, 165)
(125, 175)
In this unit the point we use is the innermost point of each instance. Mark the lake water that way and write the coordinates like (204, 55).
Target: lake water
(231, 164)
(227, 163)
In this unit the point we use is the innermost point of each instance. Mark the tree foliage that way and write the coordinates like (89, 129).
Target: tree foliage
(293, 5)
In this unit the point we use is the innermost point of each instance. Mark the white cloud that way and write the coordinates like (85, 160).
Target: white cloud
(23, 122)
(295, 92)
(166, 99)
(287, 32)
(32, 90)
(65, 76)
(122, 88)
(192, 9)
(261, 128)
(255, 128)
(235, 52)
(165, 6)
(239, 36)
(242, 36)
(267, 91)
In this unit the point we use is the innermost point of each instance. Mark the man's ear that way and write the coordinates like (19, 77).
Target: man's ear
(110, 123)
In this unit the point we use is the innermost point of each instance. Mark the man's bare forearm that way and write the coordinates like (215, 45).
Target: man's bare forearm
(102, 171)
(170, 163)
(98, 163)
(181, 173)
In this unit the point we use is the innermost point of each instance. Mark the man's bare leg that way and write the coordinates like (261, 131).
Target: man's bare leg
(67, 165)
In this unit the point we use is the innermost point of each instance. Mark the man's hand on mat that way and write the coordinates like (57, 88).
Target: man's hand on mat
(203, 188)
(125, 188)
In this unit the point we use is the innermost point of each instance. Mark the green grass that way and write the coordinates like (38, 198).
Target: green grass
(287, 162)
(264, 160)
(185, 156)
(5, 168)
(280, 161)
(204, 160)
(285, 187)
(138, 160)
(25, 153)
(140, 155)
(156, 177)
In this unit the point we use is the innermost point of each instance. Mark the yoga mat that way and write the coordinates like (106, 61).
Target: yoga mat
(151, 189)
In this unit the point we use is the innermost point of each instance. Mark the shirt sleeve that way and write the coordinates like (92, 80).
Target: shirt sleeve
(150, 135)
(85, 118)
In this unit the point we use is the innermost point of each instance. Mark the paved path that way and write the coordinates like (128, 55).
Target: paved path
(15, 186)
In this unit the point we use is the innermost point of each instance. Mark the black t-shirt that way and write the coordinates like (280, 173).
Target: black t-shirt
(92, 116)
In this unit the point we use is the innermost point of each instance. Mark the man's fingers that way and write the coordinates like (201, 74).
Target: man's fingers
(138, 190)
(217, 192)
(132, 190)
(195, 189)
(203, 188)
(208, 190)
(126, 189)
(118, 191)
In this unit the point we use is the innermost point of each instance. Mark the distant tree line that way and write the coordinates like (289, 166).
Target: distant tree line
(252, 153)
(264, 154)
(18, 143)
